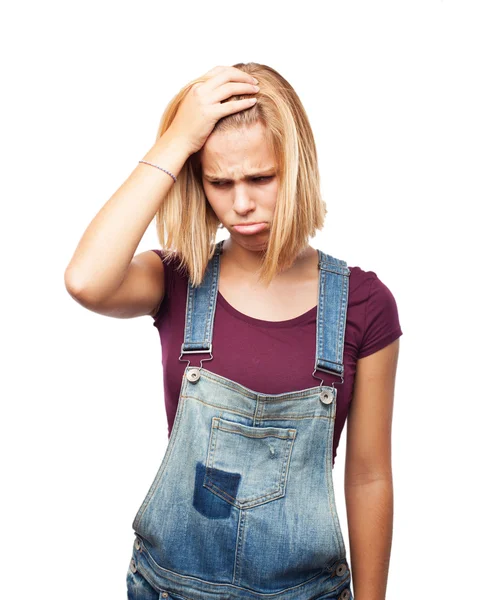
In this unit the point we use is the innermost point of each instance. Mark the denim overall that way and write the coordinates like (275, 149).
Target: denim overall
(243, 506)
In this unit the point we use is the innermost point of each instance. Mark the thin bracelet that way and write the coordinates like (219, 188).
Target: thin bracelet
(148, 163)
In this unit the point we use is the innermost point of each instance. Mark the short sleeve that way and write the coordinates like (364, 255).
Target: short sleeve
(163, 305)
(381, 319)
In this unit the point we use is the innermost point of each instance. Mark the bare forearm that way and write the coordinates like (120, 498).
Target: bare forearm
(370, 524)
(109, 243)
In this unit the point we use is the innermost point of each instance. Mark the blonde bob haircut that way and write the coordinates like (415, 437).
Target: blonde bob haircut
(187, 225)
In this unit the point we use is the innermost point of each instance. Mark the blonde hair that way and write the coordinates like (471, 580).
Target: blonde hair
(187, 225)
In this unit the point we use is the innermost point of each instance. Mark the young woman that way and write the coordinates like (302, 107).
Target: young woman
(268, 344)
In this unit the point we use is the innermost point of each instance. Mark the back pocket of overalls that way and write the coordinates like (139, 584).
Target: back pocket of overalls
(248, 466)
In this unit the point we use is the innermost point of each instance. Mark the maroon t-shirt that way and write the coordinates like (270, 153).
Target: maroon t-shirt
(274, 357)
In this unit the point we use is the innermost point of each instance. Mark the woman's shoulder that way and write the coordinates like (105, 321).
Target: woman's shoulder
(366, 284)
(375, 310)
(360, 282)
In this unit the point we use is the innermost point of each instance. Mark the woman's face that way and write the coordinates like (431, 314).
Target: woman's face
(240, 181)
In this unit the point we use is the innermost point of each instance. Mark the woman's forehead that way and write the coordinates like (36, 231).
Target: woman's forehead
(229, 149)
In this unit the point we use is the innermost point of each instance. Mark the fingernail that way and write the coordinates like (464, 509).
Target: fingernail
(255, 80)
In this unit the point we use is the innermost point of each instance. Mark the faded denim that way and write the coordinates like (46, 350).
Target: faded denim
(243, 505)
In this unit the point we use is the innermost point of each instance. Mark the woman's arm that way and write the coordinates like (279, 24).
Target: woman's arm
(368, 478)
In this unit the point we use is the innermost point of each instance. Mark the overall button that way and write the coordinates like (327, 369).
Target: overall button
(341, 569)
(164, 594)
(345, 595)
(133, 566)
(137, 544)
(326, 397)
(193, 375)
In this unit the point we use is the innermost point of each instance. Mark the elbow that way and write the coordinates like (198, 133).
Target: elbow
(72, 284)
(77, 288)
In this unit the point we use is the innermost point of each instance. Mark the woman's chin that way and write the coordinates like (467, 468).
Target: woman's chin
(255, 242)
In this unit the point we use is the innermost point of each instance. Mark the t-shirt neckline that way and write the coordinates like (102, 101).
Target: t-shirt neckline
(263, 323)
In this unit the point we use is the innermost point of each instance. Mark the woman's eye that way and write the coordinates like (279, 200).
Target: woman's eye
(223, 183)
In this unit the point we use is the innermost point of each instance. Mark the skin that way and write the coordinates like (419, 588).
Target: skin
(232, 156)
(368, 472)
(238, 198)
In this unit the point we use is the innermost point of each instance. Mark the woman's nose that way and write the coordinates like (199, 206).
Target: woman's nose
(243, 202)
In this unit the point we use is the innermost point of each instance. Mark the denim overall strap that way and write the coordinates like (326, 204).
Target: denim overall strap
(333, 292)
(200, 309)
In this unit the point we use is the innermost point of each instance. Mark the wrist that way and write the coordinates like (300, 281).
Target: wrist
(168, 152)
(177, 142)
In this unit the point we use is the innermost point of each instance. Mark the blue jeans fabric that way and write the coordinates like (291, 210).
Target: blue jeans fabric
(138, 587)
(242, 506)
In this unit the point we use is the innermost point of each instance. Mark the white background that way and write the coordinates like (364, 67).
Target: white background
(391, 92)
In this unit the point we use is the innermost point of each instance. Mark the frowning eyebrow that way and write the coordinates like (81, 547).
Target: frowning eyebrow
(261, 173)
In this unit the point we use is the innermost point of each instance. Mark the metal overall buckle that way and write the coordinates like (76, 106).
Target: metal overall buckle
(194, 373)
(325, 396)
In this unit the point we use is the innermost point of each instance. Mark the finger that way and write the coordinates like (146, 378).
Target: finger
(212, 72)
(232, 89)
(228, 108)
(228, 74)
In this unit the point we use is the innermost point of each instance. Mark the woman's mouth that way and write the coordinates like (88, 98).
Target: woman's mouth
(250, 229)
